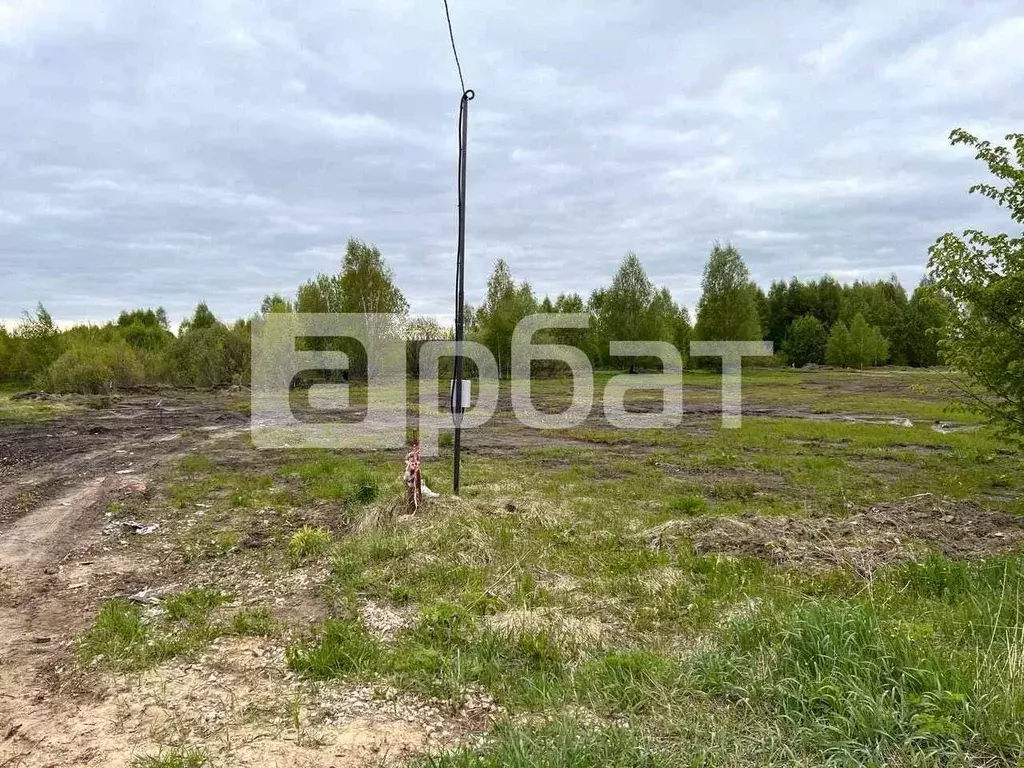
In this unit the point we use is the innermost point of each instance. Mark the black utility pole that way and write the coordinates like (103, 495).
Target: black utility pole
(460, 285)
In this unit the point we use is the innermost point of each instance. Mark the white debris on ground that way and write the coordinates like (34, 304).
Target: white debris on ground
(384, 621)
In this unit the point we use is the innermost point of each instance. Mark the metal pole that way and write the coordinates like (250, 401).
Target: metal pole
(460, 279)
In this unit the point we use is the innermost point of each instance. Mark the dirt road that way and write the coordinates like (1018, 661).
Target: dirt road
(56, 479)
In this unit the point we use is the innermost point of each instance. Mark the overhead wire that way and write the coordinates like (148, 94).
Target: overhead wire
(451, 36)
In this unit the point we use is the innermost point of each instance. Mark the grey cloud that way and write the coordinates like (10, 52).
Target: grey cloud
(162, 154)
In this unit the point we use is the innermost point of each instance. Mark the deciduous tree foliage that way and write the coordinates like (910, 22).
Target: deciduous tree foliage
(207, 353)
(837, 352)
(275, 303)
(38, 344)
(983, 273)
(728, 304)
(506, 304)
(927, 317)
(796, 315)
(859, 346)
(806, 341)
(145, 329)
(631, 309)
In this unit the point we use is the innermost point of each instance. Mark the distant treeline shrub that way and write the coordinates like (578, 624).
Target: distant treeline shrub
(136, 350)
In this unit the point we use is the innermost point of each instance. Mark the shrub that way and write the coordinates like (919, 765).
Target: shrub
(209, 354)
(94, 369)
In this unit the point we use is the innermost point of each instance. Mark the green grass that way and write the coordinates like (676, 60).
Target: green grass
(926, 664)
(126, 637)
(343, 649)
(31, 410)
(253, 622)
(186, 757)
(682, 657)
(554, 745)
(308, 543)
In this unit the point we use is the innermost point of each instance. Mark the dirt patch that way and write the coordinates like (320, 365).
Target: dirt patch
(883, 534)
(240, 702)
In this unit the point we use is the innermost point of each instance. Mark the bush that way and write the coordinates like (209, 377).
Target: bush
(35, 345)
(210, 356)
(307, 543)
(95, 369)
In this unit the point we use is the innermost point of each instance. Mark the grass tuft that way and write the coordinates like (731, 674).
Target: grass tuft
(188, 757)
(344, 649)
(308, 543)
(127, 638)
(253, 622)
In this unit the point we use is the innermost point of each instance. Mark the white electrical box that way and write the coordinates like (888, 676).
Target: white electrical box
(467, 392)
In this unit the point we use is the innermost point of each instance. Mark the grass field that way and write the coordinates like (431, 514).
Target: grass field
(839, 582)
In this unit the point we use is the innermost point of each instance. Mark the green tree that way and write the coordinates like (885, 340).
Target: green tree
(883, 303)
(38, 344)
(984, 276)
(806, 341)
(727, 310)
(496, 319)
(928, 314)
(682, 333)
(828, 300)
(837, 351)
(632, 309)
(582, 338)
(201, 319)
(6, 353)
(322, 294)
(145, 329)
(422, 329)
(367, 283)
(867, 344)
(275, 303)
(366, 286)
(625, 310)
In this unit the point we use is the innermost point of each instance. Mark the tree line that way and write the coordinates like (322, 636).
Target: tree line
(856, 325)
(814, 322)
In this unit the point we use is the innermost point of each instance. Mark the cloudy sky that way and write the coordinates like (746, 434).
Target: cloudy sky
(159, 153)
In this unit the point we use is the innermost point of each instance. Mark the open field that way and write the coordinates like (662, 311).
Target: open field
(837, 582)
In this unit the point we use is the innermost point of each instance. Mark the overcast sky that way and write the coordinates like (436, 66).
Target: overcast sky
(159, 153)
